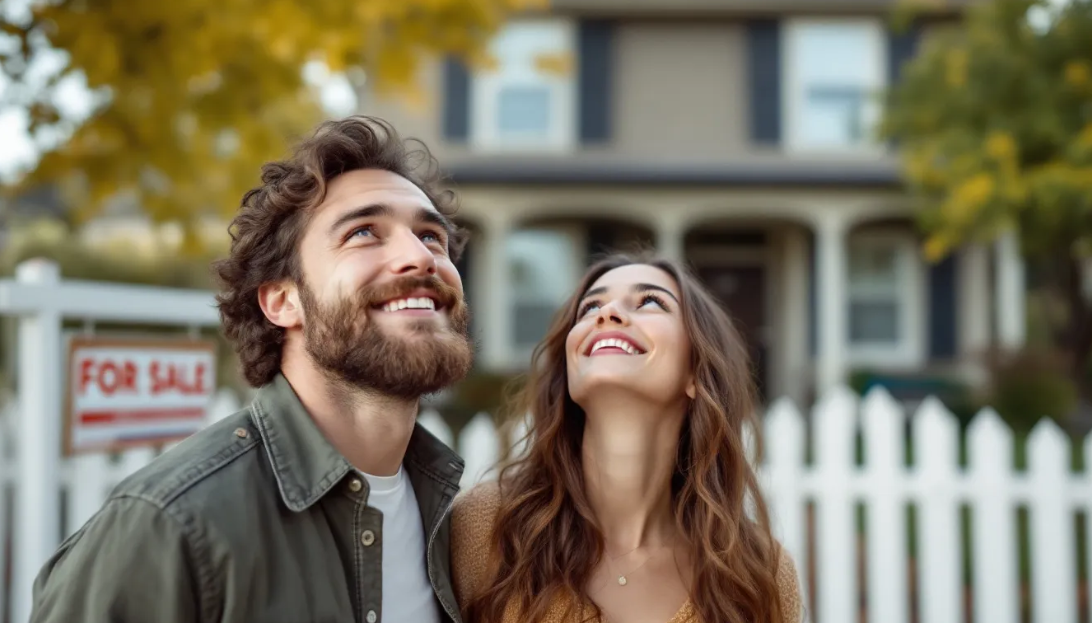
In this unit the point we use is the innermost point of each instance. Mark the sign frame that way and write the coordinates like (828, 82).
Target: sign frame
(78, 340)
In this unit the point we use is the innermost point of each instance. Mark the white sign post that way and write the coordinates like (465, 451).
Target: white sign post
(42, 300)
(125, 393)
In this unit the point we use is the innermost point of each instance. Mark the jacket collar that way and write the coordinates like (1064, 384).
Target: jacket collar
(306, 466)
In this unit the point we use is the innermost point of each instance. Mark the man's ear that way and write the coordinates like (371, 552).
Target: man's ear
(280, 302)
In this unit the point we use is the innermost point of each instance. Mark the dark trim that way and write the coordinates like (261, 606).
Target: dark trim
(843, 175)
(764, 81)
(596, 53)
(942, 309)
(456, 105)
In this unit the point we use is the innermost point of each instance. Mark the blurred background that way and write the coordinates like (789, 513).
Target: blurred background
(892, 199)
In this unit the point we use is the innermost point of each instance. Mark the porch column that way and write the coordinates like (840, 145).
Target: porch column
(793, 340)
(832, 268)
(1010, 292)
(494, 306)
(670, 236)
(974, 303)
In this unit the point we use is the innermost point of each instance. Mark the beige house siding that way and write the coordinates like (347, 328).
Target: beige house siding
(656, 64)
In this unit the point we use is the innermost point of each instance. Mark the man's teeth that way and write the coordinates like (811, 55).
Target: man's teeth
(410, 303)
(624, 345)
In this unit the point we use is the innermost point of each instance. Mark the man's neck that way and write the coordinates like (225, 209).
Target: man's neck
(371, 430)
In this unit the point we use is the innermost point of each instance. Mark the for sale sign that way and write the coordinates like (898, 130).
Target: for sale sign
(127, 393)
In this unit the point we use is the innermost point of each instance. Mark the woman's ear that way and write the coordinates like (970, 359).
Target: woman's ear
(691, 389)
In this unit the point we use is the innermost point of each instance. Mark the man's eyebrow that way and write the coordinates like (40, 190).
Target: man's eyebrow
(425, 215)
(422, 215)
(637, 287)
(368, 211)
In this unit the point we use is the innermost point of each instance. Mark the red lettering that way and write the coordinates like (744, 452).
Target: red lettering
(174, 377)
(108, 376)
(157, 383)
(85, 374)
(199, 380)
(128, 378)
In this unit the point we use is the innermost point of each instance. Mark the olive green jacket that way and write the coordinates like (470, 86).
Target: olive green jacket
(255, 518)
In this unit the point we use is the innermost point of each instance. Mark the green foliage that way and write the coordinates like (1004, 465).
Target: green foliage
(1030, 385)
(193, 96)
(994, 119)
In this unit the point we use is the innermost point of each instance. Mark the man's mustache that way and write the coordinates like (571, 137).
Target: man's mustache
(445, 296)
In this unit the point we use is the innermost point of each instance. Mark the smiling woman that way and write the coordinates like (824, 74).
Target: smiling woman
(629, 503)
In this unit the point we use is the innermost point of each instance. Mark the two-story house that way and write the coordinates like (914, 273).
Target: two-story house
(734, 135)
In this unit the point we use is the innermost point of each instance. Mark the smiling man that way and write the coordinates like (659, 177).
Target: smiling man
(324, 500)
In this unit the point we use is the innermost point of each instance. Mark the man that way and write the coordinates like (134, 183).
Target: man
(323, 500)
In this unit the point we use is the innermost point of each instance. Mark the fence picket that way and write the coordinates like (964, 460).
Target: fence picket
(782, 475)
(936, 451)
(882, 422)
(883, 484)
(89, 483)
(989, 449)
(8, 413)
(434, 423)
(835, 422)
(1053, 567)
(480, 446)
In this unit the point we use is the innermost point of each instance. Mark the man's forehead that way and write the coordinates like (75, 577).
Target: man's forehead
(370, 186)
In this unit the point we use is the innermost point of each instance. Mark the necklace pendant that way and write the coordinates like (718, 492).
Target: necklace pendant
(621, 580)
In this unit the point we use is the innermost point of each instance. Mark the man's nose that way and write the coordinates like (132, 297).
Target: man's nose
(410, 256)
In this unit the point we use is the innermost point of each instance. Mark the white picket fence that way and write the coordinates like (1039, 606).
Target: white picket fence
(845, 576)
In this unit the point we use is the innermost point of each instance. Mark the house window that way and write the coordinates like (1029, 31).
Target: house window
(835, 69)
(527, 100)
(543, 267)
(884, 299)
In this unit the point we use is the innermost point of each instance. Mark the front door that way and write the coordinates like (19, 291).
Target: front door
(742, 292)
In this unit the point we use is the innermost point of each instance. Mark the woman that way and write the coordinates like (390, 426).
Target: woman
(631, 501)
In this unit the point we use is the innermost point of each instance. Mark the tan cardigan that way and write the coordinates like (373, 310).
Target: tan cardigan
(472, 521)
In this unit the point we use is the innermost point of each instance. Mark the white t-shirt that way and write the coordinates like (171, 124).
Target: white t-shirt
(407, 592)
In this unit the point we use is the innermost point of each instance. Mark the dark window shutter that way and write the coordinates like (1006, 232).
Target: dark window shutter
(595, 52)
(764, 80)
(942, 309)
(901, 47)
(456, 100)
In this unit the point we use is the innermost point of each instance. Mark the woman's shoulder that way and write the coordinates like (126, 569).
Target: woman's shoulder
(788, 586)
(473, 515)
(477, 506)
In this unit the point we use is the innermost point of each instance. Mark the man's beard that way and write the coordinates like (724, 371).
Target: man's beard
(354, 349)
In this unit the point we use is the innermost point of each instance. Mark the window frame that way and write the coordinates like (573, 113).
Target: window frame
(792, 102)
(487, 86)
(908, 350)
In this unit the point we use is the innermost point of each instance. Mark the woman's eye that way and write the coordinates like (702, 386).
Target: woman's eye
(652, 298)
(589, 306)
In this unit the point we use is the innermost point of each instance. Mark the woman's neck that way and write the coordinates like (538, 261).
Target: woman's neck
(629, 452)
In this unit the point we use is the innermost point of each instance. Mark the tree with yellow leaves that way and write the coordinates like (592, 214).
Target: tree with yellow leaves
(192, 96)
(994, 121)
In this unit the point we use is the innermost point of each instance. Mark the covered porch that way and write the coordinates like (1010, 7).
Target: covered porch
(821, 283)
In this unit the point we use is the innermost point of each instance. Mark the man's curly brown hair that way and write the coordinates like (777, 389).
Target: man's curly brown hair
(266, 232)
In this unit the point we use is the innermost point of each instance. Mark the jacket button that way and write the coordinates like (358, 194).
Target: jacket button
(355, 485)
(371, 616)
(367, 538)
(241, 433)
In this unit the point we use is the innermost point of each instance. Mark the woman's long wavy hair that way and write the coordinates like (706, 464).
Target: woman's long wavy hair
(546, 542)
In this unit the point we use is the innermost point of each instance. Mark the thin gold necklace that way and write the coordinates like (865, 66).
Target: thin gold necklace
(622, 581)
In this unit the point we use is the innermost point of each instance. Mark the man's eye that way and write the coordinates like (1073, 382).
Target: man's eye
(431, 237)
(361, 230)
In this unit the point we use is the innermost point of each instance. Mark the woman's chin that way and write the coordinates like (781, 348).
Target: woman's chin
(618, 385)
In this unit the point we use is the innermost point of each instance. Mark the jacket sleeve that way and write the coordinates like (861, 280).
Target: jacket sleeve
(131, 563)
